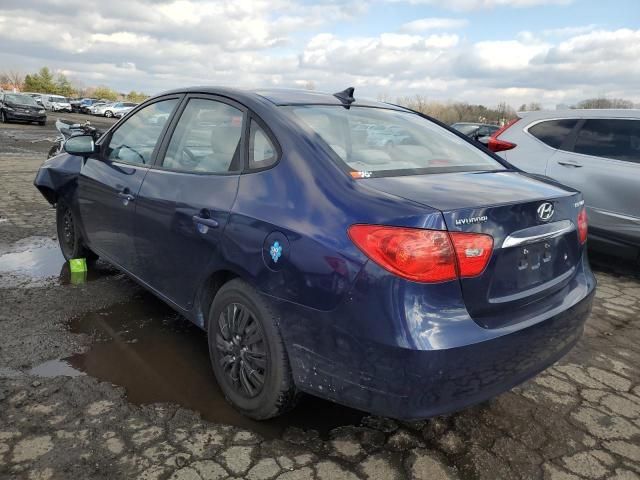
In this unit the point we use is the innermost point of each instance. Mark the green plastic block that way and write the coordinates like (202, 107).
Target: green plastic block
(78, 265)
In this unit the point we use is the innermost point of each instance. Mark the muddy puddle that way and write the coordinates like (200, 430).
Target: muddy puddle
(38, 262)
(158, 356)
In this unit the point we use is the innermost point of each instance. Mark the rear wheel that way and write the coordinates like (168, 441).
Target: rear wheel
(247, 353)
(3, 117)
(108, 114)
(42, 122)
(69, 238)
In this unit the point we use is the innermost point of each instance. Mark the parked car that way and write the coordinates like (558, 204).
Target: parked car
(99, 108)
(595, 151)
(119, 109)
(86, 104)
(21, 107)
(407, 282)
(56, 103)
(477, 131)
(76, 104)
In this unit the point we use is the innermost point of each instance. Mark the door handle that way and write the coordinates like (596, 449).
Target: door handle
(209, 222)
(127, 197)
(569, 163)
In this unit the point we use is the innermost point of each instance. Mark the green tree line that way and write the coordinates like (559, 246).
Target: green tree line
(44, 81)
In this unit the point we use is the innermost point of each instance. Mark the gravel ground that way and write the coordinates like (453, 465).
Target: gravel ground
(579, 419)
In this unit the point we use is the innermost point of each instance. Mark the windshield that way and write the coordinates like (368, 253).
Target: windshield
(381, 142)
(22, 99)
(58, 99)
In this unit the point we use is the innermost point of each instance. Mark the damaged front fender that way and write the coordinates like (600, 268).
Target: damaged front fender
(57, 176)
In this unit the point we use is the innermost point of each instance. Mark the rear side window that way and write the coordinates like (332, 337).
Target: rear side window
(206, 138)
(262, 153)
(611, 138)
(553, 132)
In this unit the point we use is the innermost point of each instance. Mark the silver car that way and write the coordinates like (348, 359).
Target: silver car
(118, 109)
(595, 151)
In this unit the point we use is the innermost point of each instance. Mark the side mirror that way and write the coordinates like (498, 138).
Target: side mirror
(81, 145)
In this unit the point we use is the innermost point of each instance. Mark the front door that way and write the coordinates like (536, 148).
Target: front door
(185, 200)
(605, 165)
(109, 182)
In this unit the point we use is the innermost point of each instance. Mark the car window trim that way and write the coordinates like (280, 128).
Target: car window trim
(172, 124)
(272, 138)
(106, 138)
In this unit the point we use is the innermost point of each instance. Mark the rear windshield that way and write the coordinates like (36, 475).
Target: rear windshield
(375, 142)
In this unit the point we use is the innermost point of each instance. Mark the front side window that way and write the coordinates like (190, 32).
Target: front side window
(553, 132)
(262, 152)
(374, 142)
(610, 138)
(206, 138)
(135, 140)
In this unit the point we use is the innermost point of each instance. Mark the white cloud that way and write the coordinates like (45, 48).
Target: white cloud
(483, 4)
(434, 23)
(154, 45)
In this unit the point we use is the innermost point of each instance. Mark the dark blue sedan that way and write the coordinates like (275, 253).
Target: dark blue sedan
(407, 278)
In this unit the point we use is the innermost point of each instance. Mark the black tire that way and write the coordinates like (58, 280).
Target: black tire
(244, 349)
(42, 123)
(108, 114)
(3, 117)
(69, 238)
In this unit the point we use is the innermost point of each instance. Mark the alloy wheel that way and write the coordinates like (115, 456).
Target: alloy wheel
(242, 349)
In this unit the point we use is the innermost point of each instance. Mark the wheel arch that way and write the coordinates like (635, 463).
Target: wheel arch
(207, 292)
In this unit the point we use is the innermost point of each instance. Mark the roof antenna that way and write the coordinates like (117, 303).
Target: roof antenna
(346, 96)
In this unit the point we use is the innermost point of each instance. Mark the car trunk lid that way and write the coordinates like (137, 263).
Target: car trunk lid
(533, 225)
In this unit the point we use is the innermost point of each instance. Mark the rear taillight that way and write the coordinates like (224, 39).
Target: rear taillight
(496, 145)
(582, 225)
(421, 255)
(473, 251)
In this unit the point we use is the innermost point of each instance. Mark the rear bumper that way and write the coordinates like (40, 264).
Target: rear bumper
(432, 365)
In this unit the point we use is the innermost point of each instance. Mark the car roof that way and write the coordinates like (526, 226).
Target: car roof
(282, 96)
(581, 113)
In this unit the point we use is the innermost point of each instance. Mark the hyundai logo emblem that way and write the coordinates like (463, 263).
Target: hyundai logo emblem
(545, 211)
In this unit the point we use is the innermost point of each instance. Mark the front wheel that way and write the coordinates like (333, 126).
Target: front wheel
(108, 114)
(3, 117)
(69, 238)
(247, 352)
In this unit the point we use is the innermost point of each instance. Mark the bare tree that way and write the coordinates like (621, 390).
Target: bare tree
(15, 78)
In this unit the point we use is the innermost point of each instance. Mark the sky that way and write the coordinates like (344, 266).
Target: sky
(478, 51)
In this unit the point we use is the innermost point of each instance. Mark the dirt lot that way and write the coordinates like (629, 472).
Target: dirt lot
(100, 380)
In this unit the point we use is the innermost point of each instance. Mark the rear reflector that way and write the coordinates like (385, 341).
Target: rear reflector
(496, 145)
(421, 255)
(582, 225)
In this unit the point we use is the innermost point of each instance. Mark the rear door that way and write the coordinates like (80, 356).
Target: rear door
(186, 198)
(605, 165)
(109, 182)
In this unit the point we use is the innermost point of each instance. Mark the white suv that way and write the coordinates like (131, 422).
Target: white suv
(594, 151)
